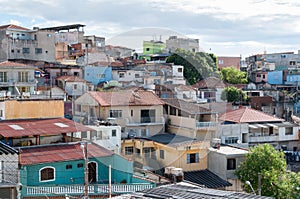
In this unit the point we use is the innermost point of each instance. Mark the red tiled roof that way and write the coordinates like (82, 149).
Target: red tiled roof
(13, 64)
(125, 98)
(210, 82)
(12, 26)
(31, 127)
(248, 115)
(60, 152)
(70, 79)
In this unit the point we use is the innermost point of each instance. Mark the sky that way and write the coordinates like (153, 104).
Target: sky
(223, 27)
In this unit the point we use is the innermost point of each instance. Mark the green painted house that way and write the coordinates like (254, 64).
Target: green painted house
(151, 48)
(58, 170)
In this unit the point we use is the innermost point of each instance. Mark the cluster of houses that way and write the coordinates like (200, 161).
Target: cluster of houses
(80, 118)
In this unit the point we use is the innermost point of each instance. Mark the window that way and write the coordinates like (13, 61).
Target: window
(289, 131)
(147, 49)
(12, 50)
(129, 150)
(231, 164)
(3, 76)
(1, 113)
(162, 154)
(144, 132)
(79, 165)
(26, 50)
(79, 107)
(121, 75)
(47, 174)
(100, 75)
(75, 86)
(38, 50)
(115, 113)
(131, 113)
(68, 166)
(113, 133)
(192, 158)
(292, 63)
(147, 116)
(83, 134)
(179, 70)
(137, 75)
(23, 77)
(231, 140)
(221, 61)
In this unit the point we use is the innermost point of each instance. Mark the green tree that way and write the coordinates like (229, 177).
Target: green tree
(232, 75)
(270, 164)
(233, 94)
(197, 66)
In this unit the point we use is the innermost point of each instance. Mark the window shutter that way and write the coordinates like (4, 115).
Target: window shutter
(197, 157)
(188, 159)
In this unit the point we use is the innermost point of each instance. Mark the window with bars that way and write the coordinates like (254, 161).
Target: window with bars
(3, 76)
(23, 76)
(115, 113)
(47, 174)
(129, 150)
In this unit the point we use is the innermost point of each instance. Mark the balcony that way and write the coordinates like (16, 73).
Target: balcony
(78, 190)
(200, 125)
(146, 121)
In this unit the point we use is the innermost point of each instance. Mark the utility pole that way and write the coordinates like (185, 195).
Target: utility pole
(84, 147)
(259, 184)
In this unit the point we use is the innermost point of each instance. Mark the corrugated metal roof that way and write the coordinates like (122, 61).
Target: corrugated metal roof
(30, 127)
(206, 178)
(5, 149)
(59, 152)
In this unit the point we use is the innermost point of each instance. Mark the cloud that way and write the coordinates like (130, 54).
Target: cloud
(225, 25)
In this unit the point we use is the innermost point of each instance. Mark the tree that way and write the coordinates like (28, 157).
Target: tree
(265, 161)
(233, 94)
(232, 75)
(197, 66)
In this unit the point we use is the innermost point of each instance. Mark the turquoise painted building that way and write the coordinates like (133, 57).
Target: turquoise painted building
(97, 74)
(58, 170)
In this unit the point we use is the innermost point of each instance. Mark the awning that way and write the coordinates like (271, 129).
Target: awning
(252, 126)
(271, 125)
(261, 126)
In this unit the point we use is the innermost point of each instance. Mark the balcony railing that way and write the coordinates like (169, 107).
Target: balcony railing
(205, 124)
(98, 189)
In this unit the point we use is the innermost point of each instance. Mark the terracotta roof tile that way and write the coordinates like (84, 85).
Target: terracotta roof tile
(13, 64)
(12, 26)
(125, 98)
(188, 107)
(30, 127)
(248, 115)
(71, 79)
(60, 152)
(210, 82)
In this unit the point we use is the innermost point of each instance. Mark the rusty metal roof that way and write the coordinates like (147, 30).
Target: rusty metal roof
(31, 127)
(60, 152)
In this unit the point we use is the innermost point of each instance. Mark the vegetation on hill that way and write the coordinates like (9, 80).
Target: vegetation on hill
(197, 66)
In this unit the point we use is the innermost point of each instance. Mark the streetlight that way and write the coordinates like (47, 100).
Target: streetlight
(249, 183)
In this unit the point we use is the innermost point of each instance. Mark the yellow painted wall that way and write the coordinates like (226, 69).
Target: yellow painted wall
(15, 109)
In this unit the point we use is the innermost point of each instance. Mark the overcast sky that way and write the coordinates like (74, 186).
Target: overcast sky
(224, 27)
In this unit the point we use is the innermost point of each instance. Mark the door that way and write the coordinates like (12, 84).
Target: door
(92, 172)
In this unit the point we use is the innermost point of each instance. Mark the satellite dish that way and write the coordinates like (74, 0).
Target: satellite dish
(239, 141)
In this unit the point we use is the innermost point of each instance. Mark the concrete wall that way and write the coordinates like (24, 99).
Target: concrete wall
(21, 109)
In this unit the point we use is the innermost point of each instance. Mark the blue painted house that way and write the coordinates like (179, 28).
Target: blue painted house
(58, 170)
(97, 74)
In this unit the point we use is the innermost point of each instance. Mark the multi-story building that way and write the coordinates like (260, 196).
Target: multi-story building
(224, 62)
(17, 79)
(18, 43)
(139, 113)
(175, 42)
